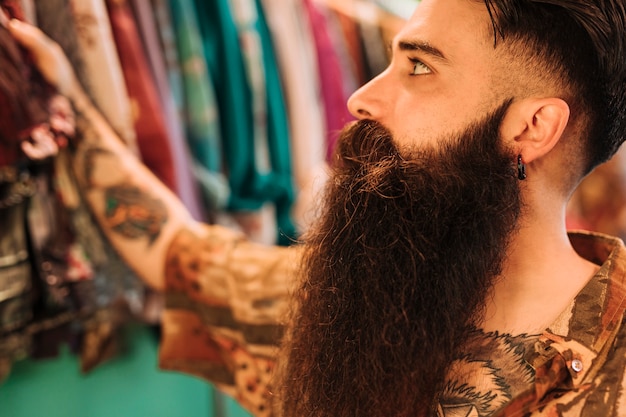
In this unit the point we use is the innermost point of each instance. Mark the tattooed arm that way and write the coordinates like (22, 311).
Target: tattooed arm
(136, 211)
(225, 296)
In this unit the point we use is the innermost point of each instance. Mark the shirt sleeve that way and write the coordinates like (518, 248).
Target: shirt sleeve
(225, 304)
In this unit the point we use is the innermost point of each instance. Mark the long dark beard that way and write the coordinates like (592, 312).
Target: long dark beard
(397, 271)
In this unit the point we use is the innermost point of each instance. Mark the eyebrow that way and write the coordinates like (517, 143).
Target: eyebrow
(425, 47)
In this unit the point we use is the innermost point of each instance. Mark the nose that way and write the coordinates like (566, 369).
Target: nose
(368, 101)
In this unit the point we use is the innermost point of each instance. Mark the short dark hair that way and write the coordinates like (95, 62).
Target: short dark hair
(583, 42)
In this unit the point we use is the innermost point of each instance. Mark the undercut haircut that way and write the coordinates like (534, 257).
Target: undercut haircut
(582, 42)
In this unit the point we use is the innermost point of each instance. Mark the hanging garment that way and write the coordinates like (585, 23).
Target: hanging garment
(250, 188)
(187, 186)
(279, 135)
(23, 95)
(332, 76)
(15, 270)
(55, 19)
(295, 52)
(168, 43)
(16, 278)
(199, 107)
(372, 43)
(340, 43)
(350, 29)
(259, 225)
(59, 290)
(68, 255)
(226, 68)
(23, 99)
(63, 288)
(64, 292)
(148, 116)
(103, 80)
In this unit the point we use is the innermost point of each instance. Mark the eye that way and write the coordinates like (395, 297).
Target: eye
(419, 68)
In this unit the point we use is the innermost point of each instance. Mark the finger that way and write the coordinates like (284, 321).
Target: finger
(41, 146)
(60, 125)
(29, 36)
(37, 152)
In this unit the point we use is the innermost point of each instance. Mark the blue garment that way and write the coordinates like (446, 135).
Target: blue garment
(200, 107)
(251, 185)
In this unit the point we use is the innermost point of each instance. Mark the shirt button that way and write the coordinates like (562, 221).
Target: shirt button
(577, 365)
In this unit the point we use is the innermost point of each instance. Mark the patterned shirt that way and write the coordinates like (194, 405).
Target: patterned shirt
(226, 300)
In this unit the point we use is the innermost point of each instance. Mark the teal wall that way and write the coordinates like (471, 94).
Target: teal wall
(130, 385)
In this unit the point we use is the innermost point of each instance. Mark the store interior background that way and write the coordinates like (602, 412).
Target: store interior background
(187, 114)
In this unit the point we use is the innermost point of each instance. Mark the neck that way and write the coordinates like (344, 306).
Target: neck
(541, 276)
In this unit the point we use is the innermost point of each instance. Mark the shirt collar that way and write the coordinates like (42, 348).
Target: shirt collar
(585, 329)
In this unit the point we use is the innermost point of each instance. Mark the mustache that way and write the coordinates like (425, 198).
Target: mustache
(366, 155)
(364, 141)
(368, 161)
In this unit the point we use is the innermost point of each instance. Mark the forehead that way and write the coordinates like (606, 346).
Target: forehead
(457, 28)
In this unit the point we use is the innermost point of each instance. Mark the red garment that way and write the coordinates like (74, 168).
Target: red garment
(352, 37)
(188, 189)
(23, 93)
(331, 77)
(152, 137)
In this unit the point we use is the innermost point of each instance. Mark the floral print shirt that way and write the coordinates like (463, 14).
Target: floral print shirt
(226, 300)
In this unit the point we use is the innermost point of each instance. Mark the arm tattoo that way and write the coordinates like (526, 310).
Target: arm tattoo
(133, 213)
(129, 210)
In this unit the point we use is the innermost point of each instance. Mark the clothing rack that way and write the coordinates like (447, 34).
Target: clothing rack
(92, 12)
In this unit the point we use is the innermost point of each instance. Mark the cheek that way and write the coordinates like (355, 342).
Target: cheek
(420, 117)
(430, 133)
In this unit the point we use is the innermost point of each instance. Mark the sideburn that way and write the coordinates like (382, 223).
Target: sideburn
(396, 271)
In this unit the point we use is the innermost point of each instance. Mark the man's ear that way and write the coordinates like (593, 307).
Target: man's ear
(533, 126)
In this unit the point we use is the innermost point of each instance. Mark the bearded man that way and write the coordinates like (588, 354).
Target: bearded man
(439, 279)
